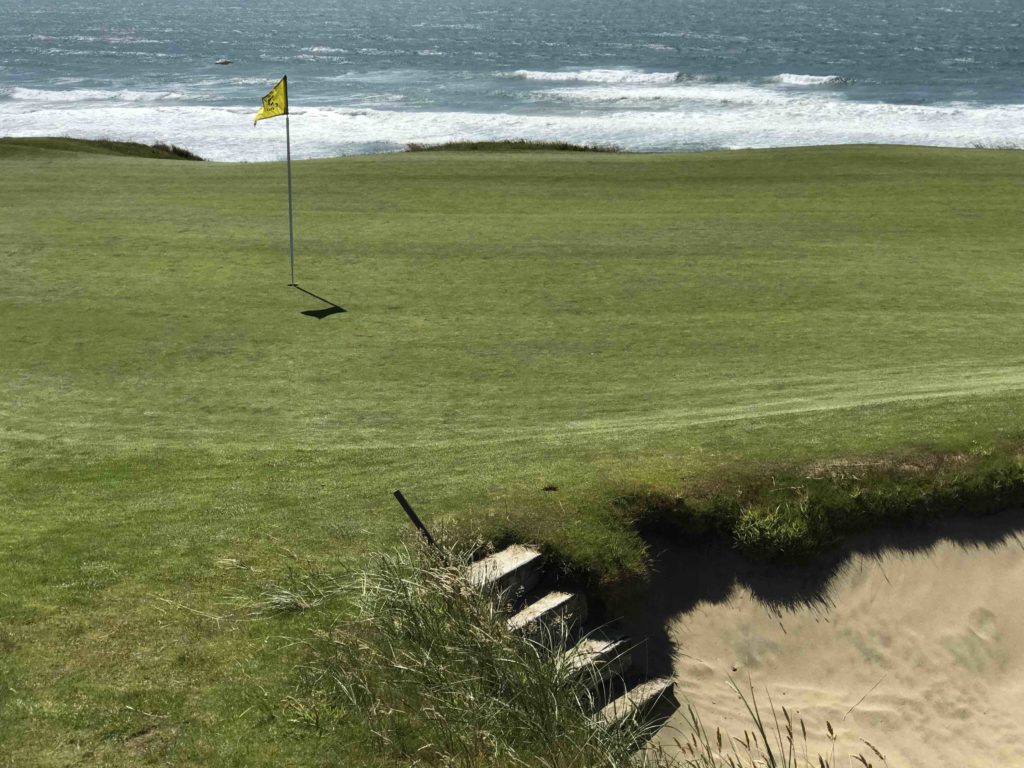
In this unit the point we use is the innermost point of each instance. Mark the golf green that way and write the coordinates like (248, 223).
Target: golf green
(176, 430)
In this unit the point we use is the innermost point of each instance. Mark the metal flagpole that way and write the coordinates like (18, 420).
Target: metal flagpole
(291, 235)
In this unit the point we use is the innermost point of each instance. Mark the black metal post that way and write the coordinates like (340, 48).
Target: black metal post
(414, 517)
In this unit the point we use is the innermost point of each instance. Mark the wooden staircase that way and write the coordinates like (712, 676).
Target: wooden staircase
(604, 662)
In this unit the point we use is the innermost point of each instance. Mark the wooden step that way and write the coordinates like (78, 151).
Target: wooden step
(514, 569)
(598, 659)
(568, 607)
(646, 701)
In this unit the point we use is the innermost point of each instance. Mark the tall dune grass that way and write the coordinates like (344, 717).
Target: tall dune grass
(423, 668)
(774, 740)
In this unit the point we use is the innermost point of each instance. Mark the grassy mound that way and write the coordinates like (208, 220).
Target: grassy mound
(158, 151)
(645, 334)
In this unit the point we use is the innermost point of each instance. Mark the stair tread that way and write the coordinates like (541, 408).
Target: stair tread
(516, 563)
(641, 697)
(607, 658)
(591, 650)
(551, 603)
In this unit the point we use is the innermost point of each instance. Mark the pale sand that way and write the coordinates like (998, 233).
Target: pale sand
(930, 636)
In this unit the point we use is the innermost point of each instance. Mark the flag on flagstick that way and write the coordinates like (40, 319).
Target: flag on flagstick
(275, 104)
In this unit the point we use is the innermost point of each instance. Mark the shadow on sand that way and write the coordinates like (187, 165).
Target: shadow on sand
(686, 575)
(320, 314)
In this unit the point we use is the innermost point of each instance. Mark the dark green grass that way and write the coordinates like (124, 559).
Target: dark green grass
(614, 325)
(794, 512)
(158, 151)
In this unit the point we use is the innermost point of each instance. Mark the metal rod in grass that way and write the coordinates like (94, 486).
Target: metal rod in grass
(414, 518)
(420, 526)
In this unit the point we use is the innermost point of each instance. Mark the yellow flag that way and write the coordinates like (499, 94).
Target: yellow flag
(274, 103)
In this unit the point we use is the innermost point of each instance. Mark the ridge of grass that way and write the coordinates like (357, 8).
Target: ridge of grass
(157, 151)
(510, 145)
(789, 512)
(793, 512)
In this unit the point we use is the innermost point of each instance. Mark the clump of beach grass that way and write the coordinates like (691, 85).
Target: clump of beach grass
(296, 592)
(176, 151)
(158, 150)
(421, 667)
(775, 740)
(510, 145)
(995, 145)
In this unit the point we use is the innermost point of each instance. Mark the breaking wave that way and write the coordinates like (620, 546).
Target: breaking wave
(226, 133)
(610, 76)
(789, 79)
(715, 95)
(86, 94)
(323, 49)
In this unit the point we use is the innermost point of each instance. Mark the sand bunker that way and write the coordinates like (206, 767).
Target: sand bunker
(919, 650)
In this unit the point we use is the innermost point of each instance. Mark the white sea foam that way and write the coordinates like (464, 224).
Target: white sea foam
(321, 57)
(425, 25)
(379, 52)
(611, 76)
(789, 79)
(323, 49)
(712, 94)
(221, 133)
(112, 39)
(85, 95)
(125, 39)
(110, 54)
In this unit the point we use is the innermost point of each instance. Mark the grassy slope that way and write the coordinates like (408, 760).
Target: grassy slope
(592, 321)
(13, 147)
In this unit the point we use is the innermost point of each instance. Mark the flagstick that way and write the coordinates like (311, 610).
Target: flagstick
(291, 236)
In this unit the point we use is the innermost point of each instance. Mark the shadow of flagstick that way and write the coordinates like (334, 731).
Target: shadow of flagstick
(319, 314)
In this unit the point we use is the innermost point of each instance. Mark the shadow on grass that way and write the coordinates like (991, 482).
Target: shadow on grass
(686, 575)
(320, 314)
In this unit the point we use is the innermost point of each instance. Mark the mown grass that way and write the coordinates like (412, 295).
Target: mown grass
(616, 326)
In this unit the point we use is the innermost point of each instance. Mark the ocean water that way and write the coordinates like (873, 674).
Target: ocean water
(650, 75)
